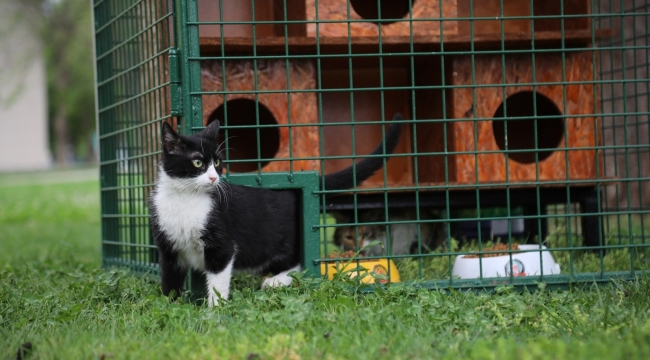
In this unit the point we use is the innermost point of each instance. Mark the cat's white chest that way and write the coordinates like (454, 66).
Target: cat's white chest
(182, 217)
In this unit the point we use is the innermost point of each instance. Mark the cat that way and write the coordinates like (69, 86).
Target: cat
(403, 237)
(200, 222)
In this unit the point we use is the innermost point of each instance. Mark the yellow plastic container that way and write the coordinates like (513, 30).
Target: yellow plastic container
(378, 266)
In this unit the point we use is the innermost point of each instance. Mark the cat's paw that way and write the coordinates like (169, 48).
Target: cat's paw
(213, 299)
(277, 281)
(280, 279)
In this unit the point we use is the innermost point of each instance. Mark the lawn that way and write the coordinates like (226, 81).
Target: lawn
(55, 296)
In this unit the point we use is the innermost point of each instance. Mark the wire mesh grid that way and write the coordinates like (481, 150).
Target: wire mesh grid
(132, 39)
(524, 155)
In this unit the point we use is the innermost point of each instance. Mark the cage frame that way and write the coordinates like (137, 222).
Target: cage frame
(183, 101)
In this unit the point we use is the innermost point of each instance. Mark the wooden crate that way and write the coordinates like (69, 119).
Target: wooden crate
(421, 9)
(574, 157)
(268, 11)
(492, 9)
(274, 109)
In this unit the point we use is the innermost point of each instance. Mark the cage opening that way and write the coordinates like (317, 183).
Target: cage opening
(242, 142)
(521, 132)
(390, 9)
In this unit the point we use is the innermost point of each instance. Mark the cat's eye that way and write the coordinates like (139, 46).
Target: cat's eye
(217, 162)
(197, 163)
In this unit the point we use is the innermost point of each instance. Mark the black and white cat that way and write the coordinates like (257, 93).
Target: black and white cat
(203, 223)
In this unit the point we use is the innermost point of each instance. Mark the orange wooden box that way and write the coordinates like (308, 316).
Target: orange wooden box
(275, 143)
(274, 109)
(573, 138)
(549, 12)
(367, 9)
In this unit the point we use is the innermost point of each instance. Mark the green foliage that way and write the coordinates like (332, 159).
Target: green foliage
(67, 36)
(64, 29)
(54, 295)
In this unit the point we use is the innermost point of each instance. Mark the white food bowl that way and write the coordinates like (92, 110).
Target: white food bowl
(523, 264)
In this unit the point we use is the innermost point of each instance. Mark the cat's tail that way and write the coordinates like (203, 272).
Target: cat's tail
(345, 179)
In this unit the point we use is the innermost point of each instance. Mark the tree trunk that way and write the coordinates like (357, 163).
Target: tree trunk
(61, 135)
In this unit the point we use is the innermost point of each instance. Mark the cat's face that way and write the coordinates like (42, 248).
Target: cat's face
(192, 162)
(346, 236)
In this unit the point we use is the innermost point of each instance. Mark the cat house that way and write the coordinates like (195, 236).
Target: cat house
(506, 144)
(546, 13)
(279, 139)
(282, 140)
(428, 16)
(470, 118)
(556, 145)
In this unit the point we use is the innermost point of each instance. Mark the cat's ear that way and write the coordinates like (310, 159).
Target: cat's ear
(212, 130)
(171, 140)
(340, 217)
(371, 215)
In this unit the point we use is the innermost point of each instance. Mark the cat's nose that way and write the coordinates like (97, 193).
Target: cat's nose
(212, 178)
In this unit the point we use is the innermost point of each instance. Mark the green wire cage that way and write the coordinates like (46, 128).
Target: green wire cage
(526, 135)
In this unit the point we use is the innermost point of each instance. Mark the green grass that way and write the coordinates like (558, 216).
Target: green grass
(54, 295)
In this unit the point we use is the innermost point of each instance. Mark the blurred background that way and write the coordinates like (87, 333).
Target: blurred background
(47, 98)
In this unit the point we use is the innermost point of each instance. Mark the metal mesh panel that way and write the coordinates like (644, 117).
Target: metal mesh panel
(624, 71)
(526, 126)
(132, 41)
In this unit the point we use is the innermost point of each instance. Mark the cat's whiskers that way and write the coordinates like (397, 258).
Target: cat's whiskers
(189, 187)
(225, 196)
(222, 193)
(222, 150)
(227, 191)
(197, 189)
(219, 150)
(218, 192)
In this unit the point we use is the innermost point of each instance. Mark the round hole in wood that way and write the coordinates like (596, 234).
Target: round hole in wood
(521, 132)
(390, 9)
(242, 142)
